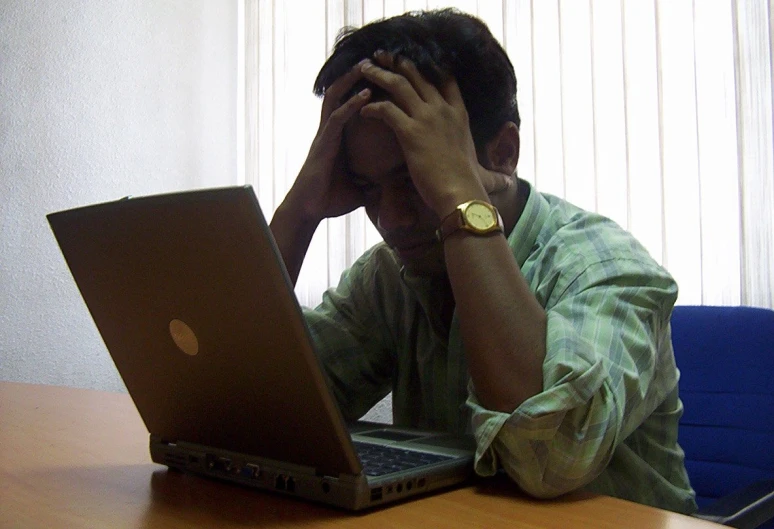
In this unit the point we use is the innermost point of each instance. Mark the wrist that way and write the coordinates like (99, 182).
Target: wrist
(299, 209)
(453, 198)
(293, 215)
(477, 217)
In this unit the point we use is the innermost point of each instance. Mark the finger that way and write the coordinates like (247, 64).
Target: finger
(395, 84)
(334, 124)
(389, 113)
(424, 88)
(339, 88)
(450, 91)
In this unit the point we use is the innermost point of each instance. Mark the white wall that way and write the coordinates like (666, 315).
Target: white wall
(98, 99)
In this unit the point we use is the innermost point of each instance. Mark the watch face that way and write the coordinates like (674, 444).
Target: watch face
(480, 217)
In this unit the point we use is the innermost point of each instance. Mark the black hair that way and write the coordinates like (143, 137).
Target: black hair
(440, 43)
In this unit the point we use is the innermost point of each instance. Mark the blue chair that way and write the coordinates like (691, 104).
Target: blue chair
(726, 361)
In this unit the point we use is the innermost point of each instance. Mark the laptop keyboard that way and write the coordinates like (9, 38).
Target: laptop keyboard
(379, 459)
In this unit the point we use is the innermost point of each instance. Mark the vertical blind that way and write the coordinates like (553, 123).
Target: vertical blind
(655, 113)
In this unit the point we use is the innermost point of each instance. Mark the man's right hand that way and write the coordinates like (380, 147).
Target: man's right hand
(322, 189)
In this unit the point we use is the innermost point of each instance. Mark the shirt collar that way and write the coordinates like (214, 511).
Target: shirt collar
(524, 235)
(521, 239)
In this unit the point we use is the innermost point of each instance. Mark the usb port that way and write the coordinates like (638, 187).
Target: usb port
(376, 494)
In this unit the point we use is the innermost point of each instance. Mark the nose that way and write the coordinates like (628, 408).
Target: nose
(396, 211)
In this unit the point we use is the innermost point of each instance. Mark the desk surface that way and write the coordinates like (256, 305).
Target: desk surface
(79, 458)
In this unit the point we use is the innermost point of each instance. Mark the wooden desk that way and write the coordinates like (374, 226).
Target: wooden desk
(79, 458)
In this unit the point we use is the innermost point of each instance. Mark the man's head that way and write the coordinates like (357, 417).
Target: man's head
(440, 43)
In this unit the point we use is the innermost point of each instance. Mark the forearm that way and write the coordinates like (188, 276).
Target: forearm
(502, 324)
(293, 234)
(609, 366)
(321, 189)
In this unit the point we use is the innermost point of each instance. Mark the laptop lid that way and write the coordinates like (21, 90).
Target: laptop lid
(192, 300)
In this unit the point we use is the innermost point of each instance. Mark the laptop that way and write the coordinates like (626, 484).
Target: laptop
(195, 306)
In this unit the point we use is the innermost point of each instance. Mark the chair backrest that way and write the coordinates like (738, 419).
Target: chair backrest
(726, 361)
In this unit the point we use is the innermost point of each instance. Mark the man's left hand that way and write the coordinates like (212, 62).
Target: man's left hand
(432, 127)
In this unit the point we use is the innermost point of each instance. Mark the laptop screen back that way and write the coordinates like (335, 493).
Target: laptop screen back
(195, 307)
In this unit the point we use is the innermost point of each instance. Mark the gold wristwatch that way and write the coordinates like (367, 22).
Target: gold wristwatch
(475, 216)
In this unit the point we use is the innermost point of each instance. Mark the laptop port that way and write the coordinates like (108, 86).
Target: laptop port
(286, 483)
(409, 485)
(219, 464)
(376, 494)
(251, 470)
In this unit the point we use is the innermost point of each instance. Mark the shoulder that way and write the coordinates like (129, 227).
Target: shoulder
(377, 267)
(576, 250)
(372, 284)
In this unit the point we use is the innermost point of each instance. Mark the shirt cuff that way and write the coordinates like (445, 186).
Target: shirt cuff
(521, 439)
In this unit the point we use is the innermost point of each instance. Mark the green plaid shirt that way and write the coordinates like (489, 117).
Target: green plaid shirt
(607, 418)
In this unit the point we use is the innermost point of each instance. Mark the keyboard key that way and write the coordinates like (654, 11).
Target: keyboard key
(378, 460)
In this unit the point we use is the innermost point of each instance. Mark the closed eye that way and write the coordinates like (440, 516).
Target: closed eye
(362, 184)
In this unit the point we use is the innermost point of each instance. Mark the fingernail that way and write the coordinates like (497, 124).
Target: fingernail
(364, 93)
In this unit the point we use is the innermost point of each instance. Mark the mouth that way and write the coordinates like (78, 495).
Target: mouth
(413, 250)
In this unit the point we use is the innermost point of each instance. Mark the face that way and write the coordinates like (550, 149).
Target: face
(377, 167)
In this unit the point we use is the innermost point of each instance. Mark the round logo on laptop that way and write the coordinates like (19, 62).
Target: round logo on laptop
(184, 337)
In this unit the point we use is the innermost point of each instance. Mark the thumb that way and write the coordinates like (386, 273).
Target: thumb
(495, 182)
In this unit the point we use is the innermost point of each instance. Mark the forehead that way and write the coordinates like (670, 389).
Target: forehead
(371, 147)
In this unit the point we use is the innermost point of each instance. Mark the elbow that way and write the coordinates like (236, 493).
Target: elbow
(551, 484)
(550, 471)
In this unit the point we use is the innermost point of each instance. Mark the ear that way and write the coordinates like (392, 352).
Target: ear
(502, 151)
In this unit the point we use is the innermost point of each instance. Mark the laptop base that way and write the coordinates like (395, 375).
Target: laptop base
(343, 491)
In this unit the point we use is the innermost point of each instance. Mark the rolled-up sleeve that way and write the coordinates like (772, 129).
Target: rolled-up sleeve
(608, 365)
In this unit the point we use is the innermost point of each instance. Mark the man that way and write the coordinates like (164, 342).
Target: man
(490, 307)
